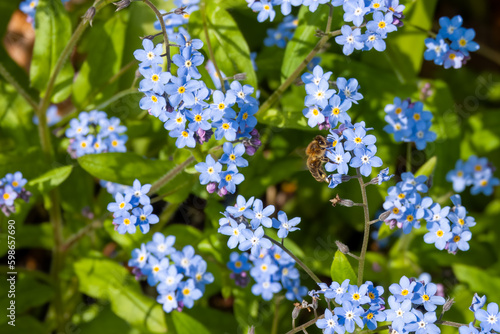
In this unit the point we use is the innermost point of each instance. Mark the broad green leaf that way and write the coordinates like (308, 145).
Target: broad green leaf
(106, 321)
(341, 268)
(52, 31)
(24, 324)
(478, 280)
(304, 38)
(104, 48)
(427, 169)
(230, 48)
(124, 168)
(30, 236)
(105, 279)
(184, 323)
(385, 231)
(51, 179)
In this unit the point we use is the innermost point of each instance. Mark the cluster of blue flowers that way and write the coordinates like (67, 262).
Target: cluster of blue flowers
(444, 236)
(132, 209)
(28, 7)
(324, 106)
(452, 44)
(12, 187)
(489, 318)
(243, 224)
(412, 306)
(181, 275)
(92, 132)
(281, 35)
(272, 270)
(387, 16)
(409, 122)
(448, 227)
(477, 172)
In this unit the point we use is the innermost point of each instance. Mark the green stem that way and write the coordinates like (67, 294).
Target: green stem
(5, 73)
(366, 234)
(281, 89)
(300, 263)
(170, 175)
(276, 317)
(408, 157)
(209, 45)
(159, 16)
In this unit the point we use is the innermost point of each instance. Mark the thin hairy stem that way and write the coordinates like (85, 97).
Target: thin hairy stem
(159, 16)
(170, 175)
(408, 157)
(281, 89)
(366, 234)
(276, 317)
(10, 79)
(209, 45)
(304, 326)
(300, 263)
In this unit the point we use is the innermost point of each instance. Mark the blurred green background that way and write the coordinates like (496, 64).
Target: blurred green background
(465, 104)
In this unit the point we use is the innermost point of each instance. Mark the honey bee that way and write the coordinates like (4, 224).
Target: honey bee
(316, 158)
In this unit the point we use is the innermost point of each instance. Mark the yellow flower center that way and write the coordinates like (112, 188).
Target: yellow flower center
(232, 157)
(186, 291)
(266, 7)
(461, 221)
(315, 112)
(381, 24)
(228, 177)
(225, 126)
(122, 205)
(462, 42)
(6, 196)
(151, 55)
(170, 298)
(186, 15)
(484, 183)
(452, 56)
(456, 238)
(221, 106)
(369, 316)
(371, 295)
(440, 233)
(398, 111)
(197, 118)
(238, 264)
(376, 5)
(142, 217)
(356, 296)
(83, 144)
(401, 196)
(15, 183)
(185, 134)
(335, 111)
(245, 116)
(460, 173)
(154, 98)
(188, 63)
(425, 297)
(210, 170)
(181, 90)
(478, 168)
(404, 292)
(358, 140)
(395, 211)
(155, 77)
(126, 221)
(409, 218)
(114, 143)
(416, 117)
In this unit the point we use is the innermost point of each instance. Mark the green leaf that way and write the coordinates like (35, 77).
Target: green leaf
(23, 325)
(105, 43)
(124, 168)
(52, 33)
(51, 179)
(30, 236)
(184, 323)
(105, 279)
(304, 38)
(479, 280)
(230, 48)
(427, 169)
(106, 322)
(341, 268)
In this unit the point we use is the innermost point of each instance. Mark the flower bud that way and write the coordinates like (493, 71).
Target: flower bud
(296, 311)
(240, 76)
(180, 10)
(211, 187)
(122, 4)
(89, 15)
(383, 216)
(346, 202)
(222, 192)
(342, 247)
(448, 304)
(251, 330)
